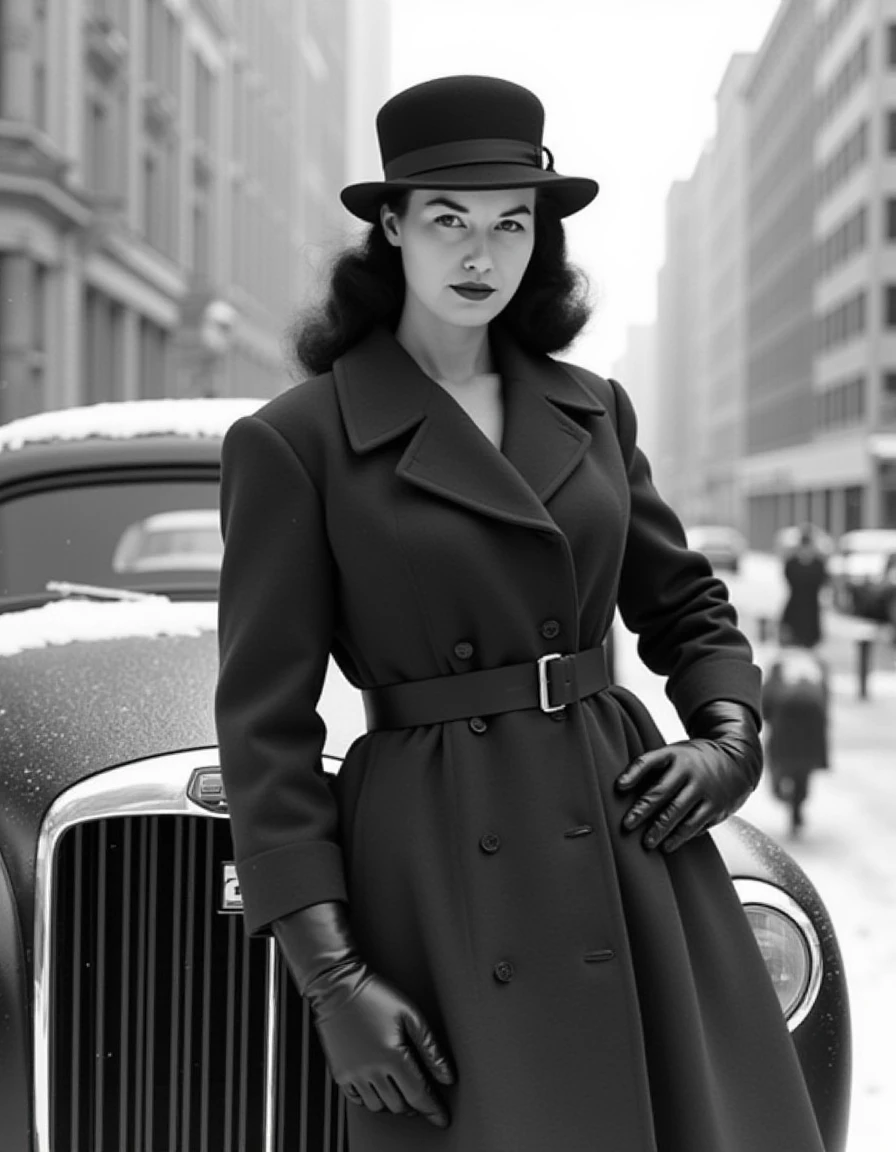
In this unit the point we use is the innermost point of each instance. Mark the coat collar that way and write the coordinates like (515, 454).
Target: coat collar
(383, 393)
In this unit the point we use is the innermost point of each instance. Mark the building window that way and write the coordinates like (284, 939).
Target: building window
(154, 344)
(203, 100)
(890, 305)
(890, 218)
(39, 63)
(201, 236)
(888, 398)
(891, 132)
(97, 144)
(891, 45)
(853, 500)
(103, 359)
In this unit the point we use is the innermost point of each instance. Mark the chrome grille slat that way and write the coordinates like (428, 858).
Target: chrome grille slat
(124, 1009)
(77, 912)
(159, 1026)
(190, 979)
(206, 989)
(99, 1048)
(149, 1057)
(140, 999)
(176, 966)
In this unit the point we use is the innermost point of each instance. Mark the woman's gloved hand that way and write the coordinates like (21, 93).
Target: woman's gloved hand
(685, 788)
(380, 1050)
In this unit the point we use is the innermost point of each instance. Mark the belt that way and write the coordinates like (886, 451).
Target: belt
(549, 683)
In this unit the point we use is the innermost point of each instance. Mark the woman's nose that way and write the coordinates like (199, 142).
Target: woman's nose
(478, 259)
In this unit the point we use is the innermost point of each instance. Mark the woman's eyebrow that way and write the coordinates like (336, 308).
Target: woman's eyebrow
(444, 202)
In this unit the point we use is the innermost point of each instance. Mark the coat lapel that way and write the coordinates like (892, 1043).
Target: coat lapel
(383, 394)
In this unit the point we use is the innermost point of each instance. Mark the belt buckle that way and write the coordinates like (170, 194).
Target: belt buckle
(544, 700)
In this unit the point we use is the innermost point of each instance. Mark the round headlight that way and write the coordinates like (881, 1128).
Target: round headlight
(789, 945)
(784, 952)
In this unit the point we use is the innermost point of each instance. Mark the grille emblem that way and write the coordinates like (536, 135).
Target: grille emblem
(206, 789)
(231, 897)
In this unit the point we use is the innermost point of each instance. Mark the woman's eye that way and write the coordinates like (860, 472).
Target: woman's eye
(510, 226)
(449, 220)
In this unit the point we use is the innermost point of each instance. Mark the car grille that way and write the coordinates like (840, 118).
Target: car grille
(168, 1027)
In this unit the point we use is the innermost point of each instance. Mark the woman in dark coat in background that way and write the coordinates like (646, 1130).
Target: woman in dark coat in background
(505, 912)
(806, 574)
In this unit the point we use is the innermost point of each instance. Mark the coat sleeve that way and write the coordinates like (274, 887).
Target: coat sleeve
(275, 623)
(686, 626)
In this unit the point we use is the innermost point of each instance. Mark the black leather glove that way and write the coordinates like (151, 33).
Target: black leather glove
(685, 788)
(379, 1048)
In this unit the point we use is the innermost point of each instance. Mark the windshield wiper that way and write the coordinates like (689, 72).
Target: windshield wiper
(100, 591)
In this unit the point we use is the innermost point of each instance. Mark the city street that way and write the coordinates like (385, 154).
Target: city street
(847, 845)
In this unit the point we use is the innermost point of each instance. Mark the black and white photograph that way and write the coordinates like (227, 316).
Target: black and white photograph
(447, 575)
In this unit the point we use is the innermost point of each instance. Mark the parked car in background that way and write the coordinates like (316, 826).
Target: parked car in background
(863, 573)
(722, 545)
(787, 540)
(136, 1014)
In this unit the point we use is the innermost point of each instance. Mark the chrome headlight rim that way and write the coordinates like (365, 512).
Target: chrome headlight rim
(769, 897)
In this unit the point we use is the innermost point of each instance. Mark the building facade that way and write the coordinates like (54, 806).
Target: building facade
(676, 321)
(726, 286)
(779, 93)
(164, 171)
(636, 369)
(849, 473)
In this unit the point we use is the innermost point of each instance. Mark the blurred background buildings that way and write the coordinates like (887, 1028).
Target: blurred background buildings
(169, 173)
(162, 163)
(776, 303)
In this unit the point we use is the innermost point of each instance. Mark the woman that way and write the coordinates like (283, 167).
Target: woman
(511, 928)
(806, 574)
(795, 708)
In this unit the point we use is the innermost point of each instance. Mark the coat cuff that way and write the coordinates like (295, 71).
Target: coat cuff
(273, 884)
(715, 680)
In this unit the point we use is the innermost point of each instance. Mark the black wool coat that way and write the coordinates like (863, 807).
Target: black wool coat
(591, 994)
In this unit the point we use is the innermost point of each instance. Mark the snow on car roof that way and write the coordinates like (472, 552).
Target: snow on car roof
(71, 621)
(204, 416)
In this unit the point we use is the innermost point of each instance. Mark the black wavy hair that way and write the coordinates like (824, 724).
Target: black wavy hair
(366, 288)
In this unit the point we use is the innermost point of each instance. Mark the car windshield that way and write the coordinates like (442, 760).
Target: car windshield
(129, 534)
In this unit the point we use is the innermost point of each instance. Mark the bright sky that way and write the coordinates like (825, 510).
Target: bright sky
(629, 92)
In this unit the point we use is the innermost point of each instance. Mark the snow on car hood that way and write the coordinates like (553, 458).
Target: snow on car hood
(72, 621)
(125, 419)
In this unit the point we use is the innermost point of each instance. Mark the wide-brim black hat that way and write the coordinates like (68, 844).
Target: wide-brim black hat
(473, 132)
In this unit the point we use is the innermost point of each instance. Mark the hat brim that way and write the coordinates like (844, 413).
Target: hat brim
(568, 193)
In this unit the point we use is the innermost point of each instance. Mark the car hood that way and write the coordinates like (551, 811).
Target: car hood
(86, 686)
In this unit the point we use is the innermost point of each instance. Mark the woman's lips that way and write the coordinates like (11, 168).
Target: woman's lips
(472, 291)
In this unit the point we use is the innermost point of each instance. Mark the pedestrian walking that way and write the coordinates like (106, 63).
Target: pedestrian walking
(511, 927)
(806, 574)
(795, 707)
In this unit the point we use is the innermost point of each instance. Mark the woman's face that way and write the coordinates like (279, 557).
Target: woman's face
(463, 253)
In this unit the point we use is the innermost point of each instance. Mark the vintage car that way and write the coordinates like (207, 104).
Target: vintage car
(722, 545)
(863, 573)
(134, 1011)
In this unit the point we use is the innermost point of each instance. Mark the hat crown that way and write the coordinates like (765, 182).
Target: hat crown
(458, 108)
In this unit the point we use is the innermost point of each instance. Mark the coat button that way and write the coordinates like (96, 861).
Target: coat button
(490, 842)
(477, 725)
(463, 649)
(503, 971)
(550, 629)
